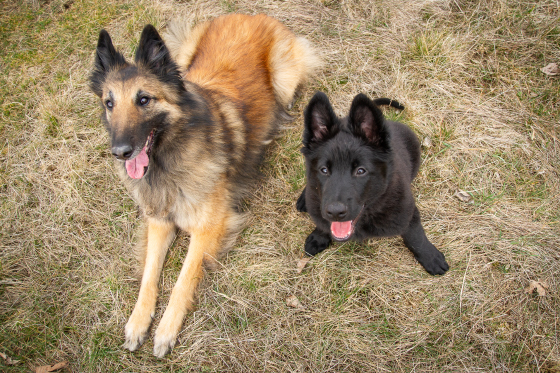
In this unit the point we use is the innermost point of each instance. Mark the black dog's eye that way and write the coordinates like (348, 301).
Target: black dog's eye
(361, 171)
(324, 170)
(144, 101)
(109, 104)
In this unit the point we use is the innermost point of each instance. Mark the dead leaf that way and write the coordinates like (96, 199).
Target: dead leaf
(540, 286)
(551, 69)
(427, 142)
(293, 302)
(302, 262)
(51, 368)
(8, 360)
(463, 196)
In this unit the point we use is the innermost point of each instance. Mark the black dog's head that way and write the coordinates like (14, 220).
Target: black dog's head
(348, 161)
(138, 98)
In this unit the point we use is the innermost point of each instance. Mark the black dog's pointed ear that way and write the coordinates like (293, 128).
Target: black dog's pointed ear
(153, 53)
(319, 119)
(366, 120)
(106, 58)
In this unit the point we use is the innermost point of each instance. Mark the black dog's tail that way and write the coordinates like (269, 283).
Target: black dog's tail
(388, 101)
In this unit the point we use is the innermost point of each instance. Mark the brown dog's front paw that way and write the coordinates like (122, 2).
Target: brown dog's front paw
(164, 345)
(167, 332)
(136, 330)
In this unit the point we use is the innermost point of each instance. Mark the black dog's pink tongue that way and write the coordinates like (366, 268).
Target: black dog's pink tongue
(341, 229)
(135, 166)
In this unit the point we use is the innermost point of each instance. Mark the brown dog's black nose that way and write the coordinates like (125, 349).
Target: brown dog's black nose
(336, 211)
(122, 152)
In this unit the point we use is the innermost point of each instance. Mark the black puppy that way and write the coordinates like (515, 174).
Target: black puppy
(359, 171)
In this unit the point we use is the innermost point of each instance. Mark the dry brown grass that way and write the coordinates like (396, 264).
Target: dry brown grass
(469, 75)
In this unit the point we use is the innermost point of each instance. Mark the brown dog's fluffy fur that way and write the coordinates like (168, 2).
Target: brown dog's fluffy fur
(201, 108)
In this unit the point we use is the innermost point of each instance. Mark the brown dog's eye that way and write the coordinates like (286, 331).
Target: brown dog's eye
(109, 104)
(144, 101)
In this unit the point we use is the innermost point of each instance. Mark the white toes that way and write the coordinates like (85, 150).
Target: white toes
(136, 330)
(167, 332)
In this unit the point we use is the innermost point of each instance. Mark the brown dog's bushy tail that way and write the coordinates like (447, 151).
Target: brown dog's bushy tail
(182, 41)
(292, 60)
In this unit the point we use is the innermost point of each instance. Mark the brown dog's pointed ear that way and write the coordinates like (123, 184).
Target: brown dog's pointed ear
(106, 58)
(319, 119)
(153, 54)
(152, 51)
(366, 120)
(106, 55)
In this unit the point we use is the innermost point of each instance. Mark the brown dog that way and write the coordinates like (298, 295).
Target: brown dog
(188, 123)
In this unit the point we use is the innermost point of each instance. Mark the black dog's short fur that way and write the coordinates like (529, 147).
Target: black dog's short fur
(359, 170)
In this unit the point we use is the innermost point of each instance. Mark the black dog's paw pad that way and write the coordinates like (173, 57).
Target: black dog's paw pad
(434, 265)
(300, 204)
(316, 243)
(312, 247)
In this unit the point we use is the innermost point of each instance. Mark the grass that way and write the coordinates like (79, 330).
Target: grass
(468, 73)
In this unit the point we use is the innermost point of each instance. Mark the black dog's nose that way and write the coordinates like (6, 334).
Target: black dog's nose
(336, 211)
(122, 152)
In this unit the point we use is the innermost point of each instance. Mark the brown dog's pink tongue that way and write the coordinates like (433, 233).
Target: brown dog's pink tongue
(135, 166)
(341, 229)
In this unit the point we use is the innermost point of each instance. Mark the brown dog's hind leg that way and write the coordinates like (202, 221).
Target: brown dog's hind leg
(160, 235)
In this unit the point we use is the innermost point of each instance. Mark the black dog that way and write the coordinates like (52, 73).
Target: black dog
(359, 171)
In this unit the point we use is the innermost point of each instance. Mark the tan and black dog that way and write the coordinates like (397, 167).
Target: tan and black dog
(188, 122)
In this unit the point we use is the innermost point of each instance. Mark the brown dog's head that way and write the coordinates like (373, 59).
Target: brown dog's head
(139, 99)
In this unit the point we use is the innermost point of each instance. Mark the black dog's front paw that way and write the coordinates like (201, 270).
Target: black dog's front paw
(424, 251)
(316, 242)
(300, 204)
(434, 263)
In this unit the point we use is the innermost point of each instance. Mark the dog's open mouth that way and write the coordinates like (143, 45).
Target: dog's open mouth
(137, 166)
(343, 230)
